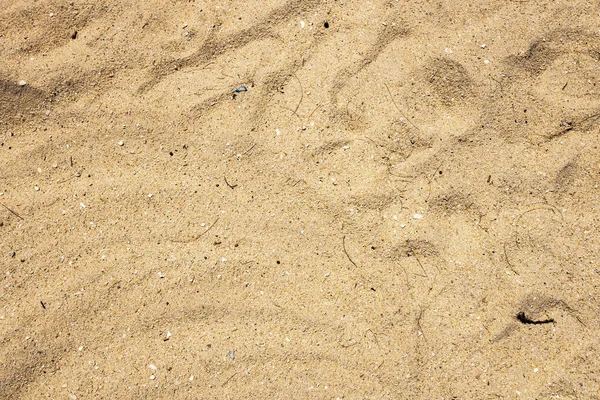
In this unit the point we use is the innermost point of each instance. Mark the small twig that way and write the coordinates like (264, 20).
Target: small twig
(311, 114)
(228, 184)
(508, 262)
(573, 125)
(301, 96)
(422, 269)
(248, 151)
(244, 153)
(548, 207)
(12, 212)
(418, 321)
(398, 108)
(199, 236)
(228, 379)
(348, 255)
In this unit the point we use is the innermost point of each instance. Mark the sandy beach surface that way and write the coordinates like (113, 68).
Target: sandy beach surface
(310, 199)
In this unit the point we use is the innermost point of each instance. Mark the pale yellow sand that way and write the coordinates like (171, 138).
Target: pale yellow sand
(365, 221)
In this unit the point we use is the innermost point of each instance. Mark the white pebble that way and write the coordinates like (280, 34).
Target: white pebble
(169, 334)
(22, 83)
(152, 367)
(302, 24)
(418, 216)
(81, 205)
(121, 143)
(37, 189)
(152, 377)
(277, 132)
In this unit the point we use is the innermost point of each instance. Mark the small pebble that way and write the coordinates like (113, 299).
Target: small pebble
(152, 377)
(22, 83)
(37, 189)
(418, 216)
(169, 334)
(121, 143)
(152, 367)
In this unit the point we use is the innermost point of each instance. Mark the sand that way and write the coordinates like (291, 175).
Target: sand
(299, 199)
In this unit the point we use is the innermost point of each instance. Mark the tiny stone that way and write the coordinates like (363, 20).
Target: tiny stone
(121, 143)
(37, 189)
(152, 377)
(152, 367)
(22, 83)
(418, 216)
